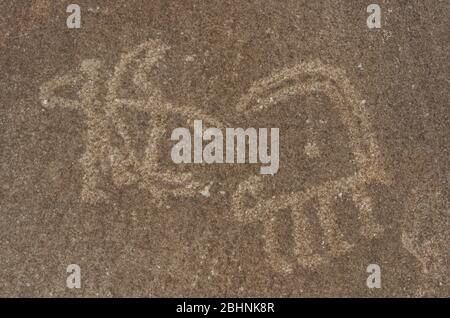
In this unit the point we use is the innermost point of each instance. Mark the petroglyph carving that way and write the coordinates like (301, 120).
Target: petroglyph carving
(122, 163)
(302, 79)
(423, 235)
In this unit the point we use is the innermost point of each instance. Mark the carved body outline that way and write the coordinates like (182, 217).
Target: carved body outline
(100, 156)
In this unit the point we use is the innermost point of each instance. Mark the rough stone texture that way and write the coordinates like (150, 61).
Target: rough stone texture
(77, 185)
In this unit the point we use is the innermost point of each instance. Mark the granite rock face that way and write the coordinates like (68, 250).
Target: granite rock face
(87, 178)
